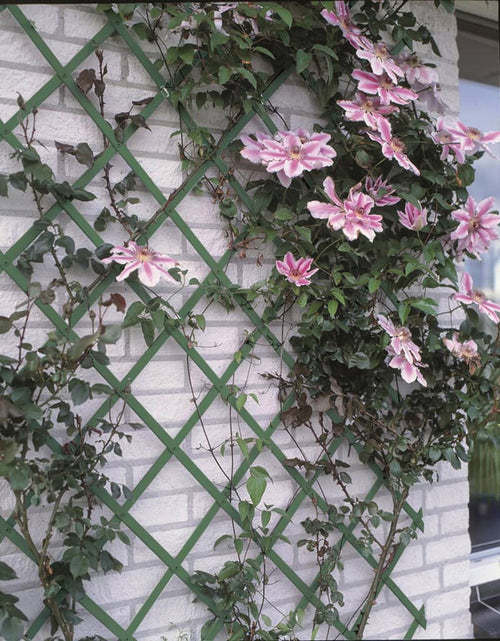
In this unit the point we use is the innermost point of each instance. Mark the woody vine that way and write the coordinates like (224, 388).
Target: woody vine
(370, 220)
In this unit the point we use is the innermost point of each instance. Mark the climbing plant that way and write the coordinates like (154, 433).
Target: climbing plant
(369, 218)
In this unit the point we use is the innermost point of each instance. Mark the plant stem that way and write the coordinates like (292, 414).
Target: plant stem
(383, 562)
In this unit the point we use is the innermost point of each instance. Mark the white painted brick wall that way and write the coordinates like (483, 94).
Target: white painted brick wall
(433, 571)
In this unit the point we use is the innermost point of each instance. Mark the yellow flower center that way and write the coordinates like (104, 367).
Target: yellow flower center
(473, 133)
(397, 145)
(403, 334)
(295, 153)
(478, 296)
(473, 223)
(381, 52)
(143, 255)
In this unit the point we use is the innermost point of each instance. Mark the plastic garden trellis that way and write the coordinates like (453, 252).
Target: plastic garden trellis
(219, 384)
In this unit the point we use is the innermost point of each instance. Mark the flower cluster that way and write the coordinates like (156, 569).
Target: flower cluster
(405, 354)
(466, 351)
(351, 215)
(460, 140)
(288, 153)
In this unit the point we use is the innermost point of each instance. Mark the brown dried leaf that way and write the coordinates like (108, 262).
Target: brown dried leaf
(86, 79)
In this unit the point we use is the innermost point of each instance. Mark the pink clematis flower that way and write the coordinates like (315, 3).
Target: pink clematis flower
(472, 140)
(476, 228)
(352, 215)
(416, 71)
(381, 192)
(410, 370)
(358, 219)
(405, 354)
(401, 341)
(384, 87)
(296, 271)
(466, 351)
(151, 265)
(341, 18)
(413, 217)
(252, 148)
(430, 96)
(392, 147)
(468, 295)
(289, 157)
(321, 138)
(443, 136)
(333, 213)
(365, 108)
(380, 60)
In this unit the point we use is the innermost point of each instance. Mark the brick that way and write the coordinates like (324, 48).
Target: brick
(45, 18)
(443, 496)
(448, 603)
(455, 574)
(127, 586)
(161, 510)
(16, 47)
(82, 24)
(32, 82)
(432, 631)
(418, 583)
(176, 609)
(458, 627)
(454, 521)
(384, 619)
(165, 173)
(449, 548)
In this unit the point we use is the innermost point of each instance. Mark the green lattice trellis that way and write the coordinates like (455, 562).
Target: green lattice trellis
(220, 384)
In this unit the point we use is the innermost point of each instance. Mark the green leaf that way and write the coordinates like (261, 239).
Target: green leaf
(303, 60)
(81, 345)
(132, 315)
(466, 175)
(20, 477)
(427, 305)
(148, 331)
(333, 305)
(248, 75)
(256, 486)
(403, 311)
(265, 52)
(283, 214)
(84, 154)
(224, 74)
(240, 401)
(80, 391)
(12, 629)
(79, 565)
(221, 539)
(6, 572)
(4, 188)
(5, 324)
(110, 334)
(18, 180)
(283, 13)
